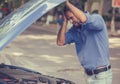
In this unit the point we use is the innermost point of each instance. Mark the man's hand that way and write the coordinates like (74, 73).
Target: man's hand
(67, 2)
(65, 19)
(61, 33)
(79, 14)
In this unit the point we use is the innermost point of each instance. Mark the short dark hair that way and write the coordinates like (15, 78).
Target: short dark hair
(75, 4)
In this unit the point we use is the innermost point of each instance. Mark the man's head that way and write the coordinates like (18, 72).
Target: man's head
(70, 16)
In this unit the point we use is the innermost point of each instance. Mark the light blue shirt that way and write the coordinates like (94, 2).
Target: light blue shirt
(91, 42)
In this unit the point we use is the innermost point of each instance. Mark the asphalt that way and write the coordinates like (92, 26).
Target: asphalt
(36, 49)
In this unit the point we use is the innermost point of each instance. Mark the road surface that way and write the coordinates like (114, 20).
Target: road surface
(36, 49)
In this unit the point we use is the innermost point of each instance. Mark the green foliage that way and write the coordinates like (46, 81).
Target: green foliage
(111, 9)
(109, 18)
(106, 18)
(95, 11)
(117, 19)
(60, 7)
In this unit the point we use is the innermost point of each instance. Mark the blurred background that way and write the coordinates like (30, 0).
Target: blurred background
(107, 8)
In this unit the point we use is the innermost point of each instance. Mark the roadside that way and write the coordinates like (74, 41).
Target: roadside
(36, 49)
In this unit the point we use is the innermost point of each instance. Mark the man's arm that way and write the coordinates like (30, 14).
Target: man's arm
(77, 12)
(61, 33)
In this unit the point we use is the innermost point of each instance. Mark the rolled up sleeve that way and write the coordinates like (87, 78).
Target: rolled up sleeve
(69, 38)
(94, 22)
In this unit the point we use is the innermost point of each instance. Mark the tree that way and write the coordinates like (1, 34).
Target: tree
(113, 21)
(101, 7)
(88, 4)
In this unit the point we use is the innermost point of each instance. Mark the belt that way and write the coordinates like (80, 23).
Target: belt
(97, 71)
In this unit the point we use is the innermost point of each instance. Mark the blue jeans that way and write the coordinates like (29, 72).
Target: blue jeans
(101, 78)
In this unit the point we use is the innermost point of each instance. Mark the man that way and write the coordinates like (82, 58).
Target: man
(89, 33)
(59, 19)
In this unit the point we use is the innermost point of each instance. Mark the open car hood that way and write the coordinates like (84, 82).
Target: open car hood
(19, 20)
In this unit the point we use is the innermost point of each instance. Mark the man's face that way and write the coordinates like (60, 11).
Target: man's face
(70, 16)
